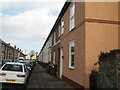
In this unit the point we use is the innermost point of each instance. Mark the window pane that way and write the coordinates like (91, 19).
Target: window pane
(72, 54)
(62, 30)
(72, 23)
(62, 23)
(62, 27)
(25, 68)
(54, 37)
(72, 43)
(72, 60)
(59, 30)
(72, 49)
(72, 12)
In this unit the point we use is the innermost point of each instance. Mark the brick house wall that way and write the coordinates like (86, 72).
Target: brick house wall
(9, 52)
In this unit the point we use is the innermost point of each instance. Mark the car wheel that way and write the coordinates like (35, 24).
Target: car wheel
(25, 84)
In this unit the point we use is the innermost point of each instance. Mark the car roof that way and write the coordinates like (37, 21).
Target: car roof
(14, 63)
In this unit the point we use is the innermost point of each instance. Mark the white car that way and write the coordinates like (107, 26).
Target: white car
(12, 72)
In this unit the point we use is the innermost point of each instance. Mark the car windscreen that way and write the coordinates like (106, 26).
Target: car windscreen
(13, 67)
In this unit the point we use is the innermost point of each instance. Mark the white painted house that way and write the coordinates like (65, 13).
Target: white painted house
(45, 53)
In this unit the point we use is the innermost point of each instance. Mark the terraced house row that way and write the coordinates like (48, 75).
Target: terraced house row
(9, 52)
(81, 32)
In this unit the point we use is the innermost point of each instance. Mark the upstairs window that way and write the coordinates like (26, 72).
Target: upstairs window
(54, 37)
(72, 16)
(59, 33)
(62, 27)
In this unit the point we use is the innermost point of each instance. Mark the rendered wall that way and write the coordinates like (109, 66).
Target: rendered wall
(78, 35)
(45, 55)
(100, 37)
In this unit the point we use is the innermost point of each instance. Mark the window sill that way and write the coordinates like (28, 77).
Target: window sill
(72, 68)
(60, 36)
(72, 29)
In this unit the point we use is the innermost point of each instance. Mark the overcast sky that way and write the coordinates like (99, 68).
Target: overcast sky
(27, 23)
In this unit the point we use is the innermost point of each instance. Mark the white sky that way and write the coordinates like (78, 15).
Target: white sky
(26, 23)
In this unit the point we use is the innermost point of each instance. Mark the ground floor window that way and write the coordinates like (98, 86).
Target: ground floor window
(71, 54)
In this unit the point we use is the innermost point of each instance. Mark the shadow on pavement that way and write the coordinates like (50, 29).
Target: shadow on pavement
(9, 86)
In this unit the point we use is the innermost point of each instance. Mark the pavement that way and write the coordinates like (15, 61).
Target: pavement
(41, 79)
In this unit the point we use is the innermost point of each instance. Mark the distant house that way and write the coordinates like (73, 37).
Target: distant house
(9, 52)
(81, 31)
(45, 53)
(27, 57)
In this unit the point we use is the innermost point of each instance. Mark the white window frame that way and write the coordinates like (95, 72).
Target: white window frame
(72, 16)
(59, 30)
(62, 27)
(72, 42)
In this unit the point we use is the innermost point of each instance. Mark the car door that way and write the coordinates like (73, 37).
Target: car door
(26, 72)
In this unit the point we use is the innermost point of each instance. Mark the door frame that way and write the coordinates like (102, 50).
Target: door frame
(61, 62)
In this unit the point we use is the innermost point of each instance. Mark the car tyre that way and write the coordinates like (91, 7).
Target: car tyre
(25, 84)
